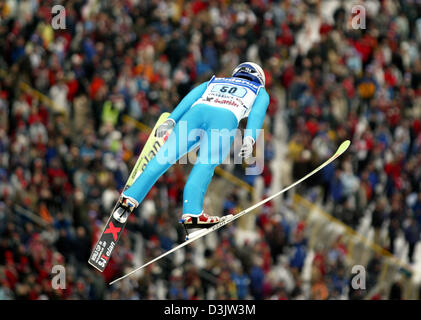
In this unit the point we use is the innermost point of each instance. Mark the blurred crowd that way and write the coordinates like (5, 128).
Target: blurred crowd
(65, 159)
(364, 86)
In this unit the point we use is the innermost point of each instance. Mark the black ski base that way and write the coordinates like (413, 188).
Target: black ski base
(101, 253)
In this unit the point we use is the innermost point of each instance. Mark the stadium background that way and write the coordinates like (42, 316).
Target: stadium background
(76, 106)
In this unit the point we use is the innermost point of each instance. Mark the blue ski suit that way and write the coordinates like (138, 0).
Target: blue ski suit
(215, 106)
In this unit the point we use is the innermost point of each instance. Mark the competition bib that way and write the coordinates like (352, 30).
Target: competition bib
(234, 94)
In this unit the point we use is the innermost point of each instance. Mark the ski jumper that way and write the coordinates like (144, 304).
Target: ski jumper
(216, 106)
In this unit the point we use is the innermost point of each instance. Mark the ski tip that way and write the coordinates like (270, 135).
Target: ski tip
(95, 266)
(344, 145)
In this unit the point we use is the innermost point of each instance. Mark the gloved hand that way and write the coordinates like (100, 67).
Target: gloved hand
(247, 147)
(163, 129)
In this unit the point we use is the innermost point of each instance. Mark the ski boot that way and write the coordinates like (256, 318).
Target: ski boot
(190, 221)
(124, 208)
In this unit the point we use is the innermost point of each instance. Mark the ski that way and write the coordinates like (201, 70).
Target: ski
(227, 219)
(104, 247)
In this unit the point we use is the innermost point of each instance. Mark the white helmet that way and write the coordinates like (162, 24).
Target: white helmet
(251, 71)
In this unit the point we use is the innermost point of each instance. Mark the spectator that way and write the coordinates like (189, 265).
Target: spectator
(412, 235)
